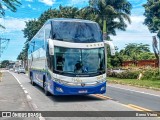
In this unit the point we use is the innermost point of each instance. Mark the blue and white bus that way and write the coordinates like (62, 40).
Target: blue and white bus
(67, 57)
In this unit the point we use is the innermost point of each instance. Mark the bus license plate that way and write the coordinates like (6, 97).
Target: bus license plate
(82, 91)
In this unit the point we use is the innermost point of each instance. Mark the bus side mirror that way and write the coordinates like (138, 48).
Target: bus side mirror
(112, 48)
(51, 46)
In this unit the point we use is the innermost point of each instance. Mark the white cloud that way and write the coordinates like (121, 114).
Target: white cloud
(48, 2)
(29, 0)
(136, 32)
(29, 5)
(13, 24)
(4, 7)
(137, 24)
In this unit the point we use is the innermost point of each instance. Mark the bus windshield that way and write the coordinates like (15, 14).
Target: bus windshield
(79, 61)
(77, 32)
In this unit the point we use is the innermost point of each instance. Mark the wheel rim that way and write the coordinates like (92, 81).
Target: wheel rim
(45, 86)
(31, 79)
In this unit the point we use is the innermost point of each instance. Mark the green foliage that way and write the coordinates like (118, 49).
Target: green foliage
(132, 52)
(107, 11)
(152, 12)
(147, 74)
(10, 4)
(150, 74)
(125, 75)
(4, 63)
(150, 84)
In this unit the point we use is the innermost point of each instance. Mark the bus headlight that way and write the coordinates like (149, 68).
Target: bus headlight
(59, 89)
(60, 81)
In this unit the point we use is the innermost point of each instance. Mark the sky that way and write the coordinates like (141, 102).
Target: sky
(14, 23)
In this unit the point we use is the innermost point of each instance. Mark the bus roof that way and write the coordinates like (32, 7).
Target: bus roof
(70, 20)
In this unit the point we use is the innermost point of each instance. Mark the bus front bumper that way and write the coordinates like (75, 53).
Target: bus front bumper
(61, 89)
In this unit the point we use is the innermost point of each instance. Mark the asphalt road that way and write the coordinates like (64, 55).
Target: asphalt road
(40, 102)
(147, 99)
(12, 97)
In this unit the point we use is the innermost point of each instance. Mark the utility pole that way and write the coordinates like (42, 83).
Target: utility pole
(3, 41)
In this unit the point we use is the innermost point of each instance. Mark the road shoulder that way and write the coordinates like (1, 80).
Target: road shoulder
(136, 89)
(12, 97)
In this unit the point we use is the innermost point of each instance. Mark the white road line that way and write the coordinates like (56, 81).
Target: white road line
(26, 91)
(41, 118)
(134, 91)
(28, 96)
(35, 106)
(16, 78)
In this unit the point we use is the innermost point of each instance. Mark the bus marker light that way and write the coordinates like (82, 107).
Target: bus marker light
(103, 88)
(59, 89)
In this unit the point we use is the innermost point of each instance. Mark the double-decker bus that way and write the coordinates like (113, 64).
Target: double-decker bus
(67, 57)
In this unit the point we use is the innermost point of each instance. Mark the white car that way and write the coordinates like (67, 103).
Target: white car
(16, 70)
(21, 70)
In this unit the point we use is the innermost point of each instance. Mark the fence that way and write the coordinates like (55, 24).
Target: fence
(141, 63)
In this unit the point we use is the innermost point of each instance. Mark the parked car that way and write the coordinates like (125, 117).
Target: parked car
(16, 70)
(11, 69)
(21, 70)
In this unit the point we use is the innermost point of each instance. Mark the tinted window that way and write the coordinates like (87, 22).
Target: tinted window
(79, 32)
(79, 61)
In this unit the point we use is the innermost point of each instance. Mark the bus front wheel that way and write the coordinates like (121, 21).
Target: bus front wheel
(32, 82)
(46, 89)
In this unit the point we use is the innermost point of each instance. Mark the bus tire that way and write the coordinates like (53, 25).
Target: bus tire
(46, 89)
(32, 82)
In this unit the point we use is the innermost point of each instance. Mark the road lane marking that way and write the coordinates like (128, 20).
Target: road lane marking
(26, 91)
(101, 96)
(41, 118)
(134, 91)
(143, 109)
(133, 108)
(29, 97)
(34, 106)
(98, 97)
(16, 78)
(138, 107)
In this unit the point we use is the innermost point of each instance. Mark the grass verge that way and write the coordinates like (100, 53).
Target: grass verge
(149, 84)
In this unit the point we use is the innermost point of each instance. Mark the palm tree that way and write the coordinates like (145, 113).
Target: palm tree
(134, 50)
(10, 4)
(67, 12)
(110, 14)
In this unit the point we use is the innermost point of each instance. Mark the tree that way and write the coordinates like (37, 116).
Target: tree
(110, 14)
(4, 63)
(10, 4)
(132, 52)
(152, 14)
